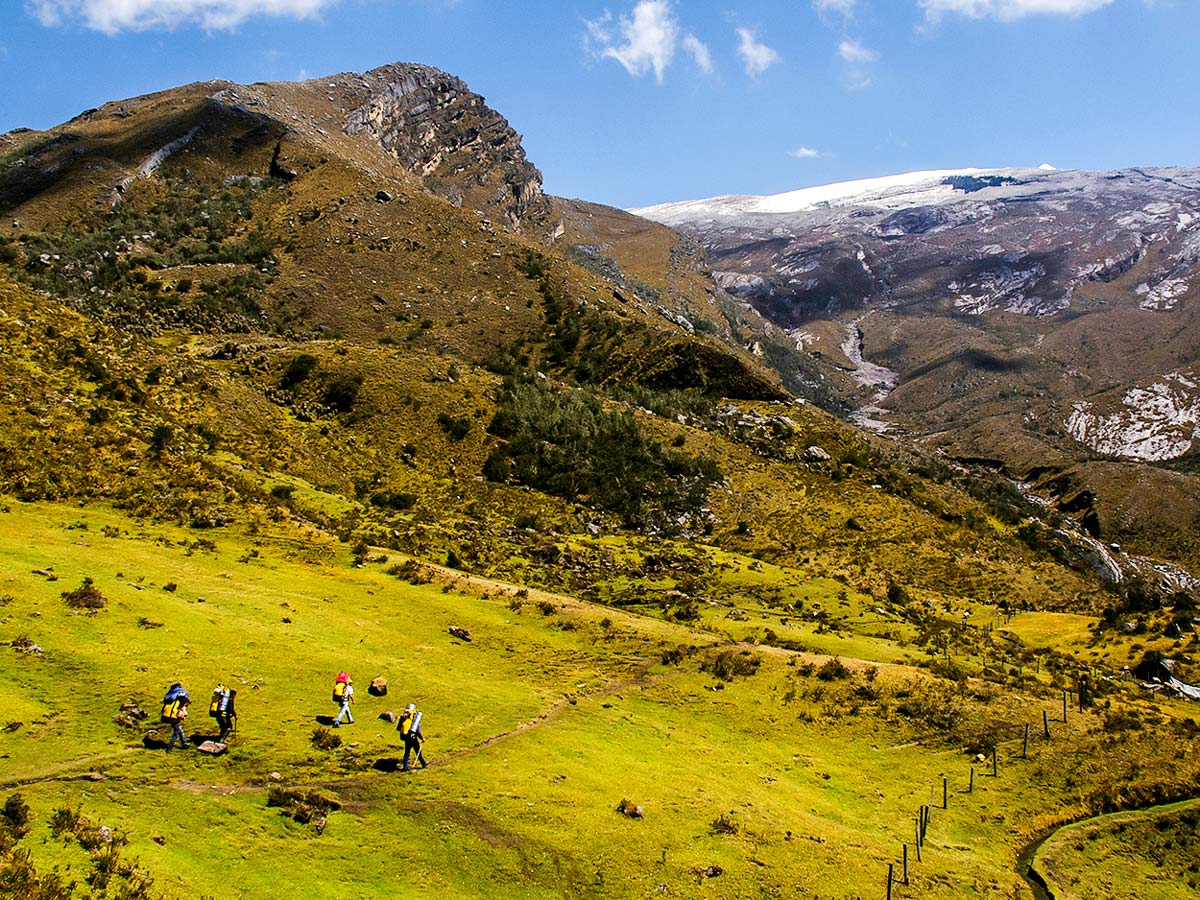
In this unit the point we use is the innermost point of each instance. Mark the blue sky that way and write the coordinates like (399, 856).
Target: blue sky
(632, 102)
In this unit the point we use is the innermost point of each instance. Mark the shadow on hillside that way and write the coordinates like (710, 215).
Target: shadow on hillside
(327, 721)
(386, 764)
(153, 742)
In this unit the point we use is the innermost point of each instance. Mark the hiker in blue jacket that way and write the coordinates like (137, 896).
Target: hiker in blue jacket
(174, 711)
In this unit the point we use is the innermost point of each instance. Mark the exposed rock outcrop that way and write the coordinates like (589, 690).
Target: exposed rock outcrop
(440, 130)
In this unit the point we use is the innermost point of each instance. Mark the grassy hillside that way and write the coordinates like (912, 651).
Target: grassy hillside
(796, 772)
(287, 410)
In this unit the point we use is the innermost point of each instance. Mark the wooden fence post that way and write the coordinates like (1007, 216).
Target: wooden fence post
(1025, 746)
(995, 768)
(971, 783)
(906, 863)
(889, 890)
(945, 793)
(917, 822)
(1046, 723)
(1066, 695)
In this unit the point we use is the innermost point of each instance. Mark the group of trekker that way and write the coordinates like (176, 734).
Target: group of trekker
(408, 723)
(222, 707)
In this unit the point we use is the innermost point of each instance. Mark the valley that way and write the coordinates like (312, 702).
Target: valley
(705, 588)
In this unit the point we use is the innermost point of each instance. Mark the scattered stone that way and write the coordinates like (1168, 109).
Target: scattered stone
(713, 871)
(130, 715)
(105, 834)
(378, 687)
(13, 726)
(25, 645)
(384, 196)
(631, 810)
(275, 776)
(388, 716)
(461, 633)
(816, 454)
(213, 748)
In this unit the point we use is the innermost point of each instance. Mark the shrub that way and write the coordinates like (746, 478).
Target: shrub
(566, 444)
(833, 669)
(86, 596)
(160, 438)
(411, 571)
(726, 665)
(297, 370)
(456, 427)
(14, 816)
(398, 500)
(283, 491)
(343, 392)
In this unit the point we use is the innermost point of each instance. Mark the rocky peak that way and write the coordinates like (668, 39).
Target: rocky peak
(443, 132)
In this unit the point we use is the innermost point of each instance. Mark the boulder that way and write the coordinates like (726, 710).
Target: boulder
(378, 687)
(384, 196)
(461, 633)
(816, 454)
(212, 748)
(388, 716)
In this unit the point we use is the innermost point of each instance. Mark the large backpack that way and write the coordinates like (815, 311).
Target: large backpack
(176, 698)
(171, 711)
(220, 701)
(339, 691)
(409, 723)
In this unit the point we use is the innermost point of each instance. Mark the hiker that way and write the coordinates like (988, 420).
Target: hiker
(221, 708)
(409, 726)
(343, 695)
(174, 711)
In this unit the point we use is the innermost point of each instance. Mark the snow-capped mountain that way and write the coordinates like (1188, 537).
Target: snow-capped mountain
(1037, 317)
(931, 187)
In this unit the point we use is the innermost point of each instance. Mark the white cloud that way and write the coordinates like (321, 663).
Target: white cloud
(649, 37)
(112, 16)
(757, 57)
(1009, 10)
(699, 53)
(856, 54)
(805, 153)
(843, 8)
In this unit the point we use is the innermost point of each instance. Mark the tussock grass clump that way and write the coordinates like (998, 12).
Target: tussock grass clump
(86, 596)
(722, 824)
(324, 739)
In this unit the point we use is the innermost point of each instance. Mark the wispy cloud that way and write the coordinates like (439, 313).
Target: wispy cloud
(1008, 10)
(644, 41)
(698, 51)
(858, 60)
(831, 8)
(756, 56)
(113, 16)
(855, 53)
(805, 153)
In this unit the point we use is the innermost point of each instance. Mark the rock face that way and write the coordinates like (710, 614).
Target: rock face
(437, 128)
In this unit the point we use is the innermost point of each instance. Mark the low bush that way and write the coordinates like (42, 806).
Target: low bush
(727, 665)
(86, 596)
